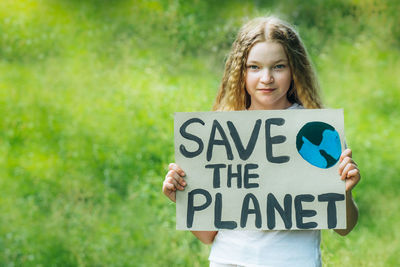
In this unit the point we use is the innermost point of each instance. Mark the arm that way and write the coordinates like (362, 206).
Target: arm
(352, 215)
(349, 172)
(174, 181)
(207, 237)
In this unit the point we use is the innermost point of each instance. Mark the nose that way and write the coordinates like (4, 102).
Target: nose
(266, 76)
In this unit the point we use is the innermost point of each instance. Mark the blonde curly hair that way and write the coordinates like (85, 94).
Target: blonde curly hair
(304, 90)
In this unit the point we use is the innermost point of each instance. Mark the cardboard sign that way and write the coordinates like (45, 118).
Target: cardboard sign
(270, 170)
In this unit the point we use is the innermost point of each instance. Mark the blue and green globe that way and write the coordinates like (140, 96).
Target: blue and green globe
(319, 144)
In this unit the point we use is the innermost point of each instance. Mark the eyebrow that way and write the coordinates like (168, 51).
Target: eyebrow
(274, 62)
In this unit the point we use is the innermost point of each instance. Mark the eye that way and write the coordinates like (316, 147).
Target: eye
(279, 67)
(253, 67)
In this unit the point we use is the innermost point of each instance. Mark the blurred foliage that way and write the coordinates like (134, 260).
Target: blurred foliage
(87, 95)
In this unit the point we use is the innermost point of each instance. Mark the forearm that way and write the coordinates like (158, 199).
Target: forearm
(352, 215)
(207, 237)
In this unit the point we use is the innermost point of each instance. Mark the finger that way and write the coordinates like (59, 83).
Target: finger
(353, 181)
(177, 177)
(167, 187)
(173, 181)
(346, 169)
(343, 164)
(169, 190)
(346, 153)
(175, 167)
(169, 184)
(354, 173)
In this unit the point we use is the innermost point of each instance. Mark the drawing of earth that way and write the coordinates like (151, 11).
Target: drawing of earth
(319, 144)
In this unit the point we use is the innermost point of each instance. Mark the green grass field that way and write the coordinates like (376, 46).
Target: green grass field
(87, 95)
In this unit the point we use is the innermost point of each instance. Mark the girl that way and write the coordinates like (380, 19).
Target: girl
(268, 68)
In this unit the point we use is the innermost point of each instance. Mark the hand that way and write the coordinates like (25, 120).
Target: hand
(348, 170)
(173, 181)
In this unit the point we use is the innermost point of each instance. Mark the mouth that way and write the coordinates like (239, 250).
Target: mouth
(266, 90)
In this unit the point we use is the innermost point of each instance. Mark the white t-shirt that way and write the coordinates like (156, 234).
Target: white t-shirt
(268, 248)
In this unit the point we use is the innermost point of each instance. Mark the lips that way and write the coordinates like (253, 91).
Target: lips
(266, 90)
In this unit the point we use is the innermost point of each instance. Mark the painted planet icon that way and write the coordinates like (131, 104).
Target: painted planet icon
(318, 143)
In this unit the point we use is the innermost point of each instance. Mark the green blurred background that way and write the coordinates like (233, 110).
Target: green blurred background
(87, 95)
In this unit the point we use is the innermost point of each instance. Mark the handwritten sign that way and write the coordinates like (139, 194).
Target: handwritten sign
(270, 170)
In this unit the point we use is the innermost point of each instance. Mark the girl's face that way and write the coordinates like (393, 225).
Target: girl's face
(268, 76)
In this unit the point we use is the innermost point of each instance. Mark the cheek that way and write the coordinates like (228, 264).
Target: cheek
(285, 79)
(251, 80)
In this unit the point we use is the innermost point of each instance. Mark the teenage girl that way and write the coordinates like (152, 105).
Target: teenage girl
(268, 68)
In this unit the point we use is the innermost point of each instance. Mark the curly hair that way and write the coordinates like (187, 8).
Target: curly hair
(304, 89)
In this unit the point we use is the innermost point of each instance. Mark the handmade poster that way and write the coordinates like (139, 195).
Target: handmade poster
(265, 170)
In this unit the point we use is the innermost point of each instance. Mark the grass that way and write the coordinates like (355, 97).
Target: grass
(87, 95)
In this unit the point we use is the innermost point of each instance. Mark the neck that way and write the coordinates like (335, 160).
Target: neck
(284, 105)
